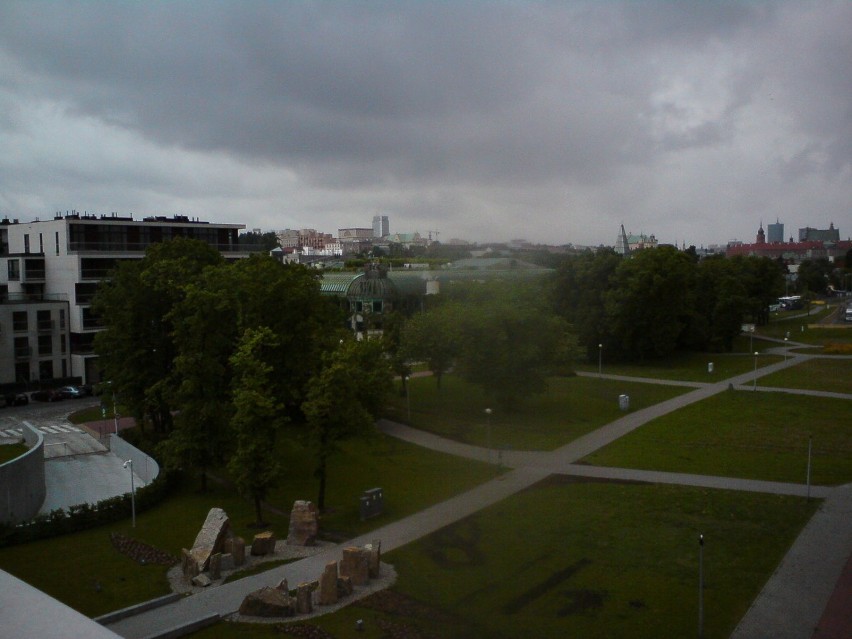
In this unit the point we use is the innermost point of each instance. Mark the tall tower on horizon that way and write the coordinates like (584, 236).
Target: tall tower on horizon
(381, 226)
(775, 232)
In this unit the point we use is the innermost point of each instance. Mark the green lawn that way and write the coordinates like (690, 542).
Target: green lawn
(11, 451)
(745, 434)
(571, 407)
(802, 329)
(825, 374)
(575, 559)
(693, 367)
(413, 479)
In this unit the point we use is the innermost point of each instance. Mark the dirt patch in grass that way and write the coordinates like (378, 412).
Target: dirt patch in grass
(397, 604)
(140, 552)
(579, 600)
(456, 545)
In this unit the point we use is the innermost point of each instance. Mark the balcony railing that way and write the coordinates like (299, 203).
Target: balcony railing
(46, 326)
(141, 247)
(24, 298)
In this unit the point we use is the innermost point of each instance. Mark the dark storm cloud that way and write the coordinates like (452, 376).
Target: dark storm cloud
(436, 110)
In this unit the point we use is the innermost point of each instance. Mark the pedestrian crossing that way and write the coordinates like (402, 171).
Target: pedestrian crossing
(56, 429)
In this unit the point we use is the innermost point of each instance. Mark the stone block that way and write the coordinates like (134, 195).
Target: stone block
(356, 565)
(283, 586)
(236, 546)
(328, 585)
(227, 562)
(188, 565)
(268, 602)
(304, 605)
(202, 580)
(211, 537)
(304, 524)
(263, 544)
(344, 587)
(375, 550)
(215, 570)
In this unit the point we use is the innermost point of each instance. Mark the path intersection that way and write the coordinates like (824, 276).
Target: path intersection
(790, 605)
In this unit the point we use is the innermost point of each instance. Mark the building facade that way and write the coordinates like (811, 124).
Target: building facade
(381, 226)
(49, 272)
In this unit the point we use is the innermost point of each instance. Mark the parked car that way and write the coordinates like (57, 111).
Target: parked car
(70, 392)
(16, 399)
(45, 395)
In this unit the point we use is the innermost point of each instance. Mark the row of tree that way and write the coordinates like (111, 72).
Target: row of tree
(663, 299)
(217, 357)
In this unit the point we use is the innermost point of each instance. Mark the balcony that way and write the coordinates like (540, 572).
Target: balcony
(46, 326)
(23, 353)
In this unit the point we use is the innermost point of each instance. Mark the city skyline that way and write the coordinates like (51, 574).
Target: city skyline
(555, 123)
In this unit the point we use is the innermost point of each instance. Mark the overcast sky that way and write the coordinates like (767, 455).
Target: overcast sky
(487, 121)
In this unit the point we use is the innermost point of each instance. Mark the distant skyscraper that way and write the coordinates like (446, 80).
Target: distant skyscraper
(381, 226)
(775, 232)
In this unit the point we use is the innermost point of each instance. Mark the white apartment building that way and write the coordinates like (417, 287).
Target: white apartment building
(49, 271)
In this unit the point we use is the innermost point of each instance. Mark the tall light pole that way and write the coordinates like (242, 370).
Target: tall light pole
(810, 446)
(129, 464)
(600, 360)
(488, 432)
(408, 397)
(755, 371)
(114, 413)
(700, 586)
(785, 349)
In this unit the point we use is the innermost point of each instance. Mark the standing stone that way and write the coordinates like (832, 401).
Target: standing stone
(328, 585)
(304, 524)
(304, 605)
(268, 602)
(226, 564)
(375, 550)
(344, 587)
(263, 544)
(211, 537)
(283, 586)
(356, 565)
(216, 566)
(188, 565)
(236, 546)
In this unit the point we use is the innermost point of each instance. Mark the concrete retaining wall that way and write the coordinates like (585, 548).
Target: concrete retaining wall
(144, 467)
(22, 487)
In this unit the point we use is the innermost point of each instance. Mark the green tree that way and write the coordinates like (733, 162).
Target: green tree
(813, 276)
(650, 303)
(344, 399)
(720, 302)
(433, 337)
(578, 290)
(257, 418)
(511, 342)
(136, 349)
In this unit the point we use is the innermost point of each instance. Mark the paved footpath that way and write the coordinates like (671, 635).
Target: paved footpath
(789, 607)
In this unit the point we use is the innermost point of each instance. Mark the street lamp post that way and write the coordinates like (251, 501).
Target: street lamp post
(785, 349)
(408, 397)
(114, 413)
(488, 432)
(810, 446)
(600, 360)
(755, 371)
(129, 464)
(700, 586)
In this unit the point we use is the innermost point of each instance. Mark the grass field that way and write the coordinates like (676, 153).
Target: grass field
(577, 559)
(11, 451)
(413, 479)
(823, 374)
(692, 367)
(572, 407)
(744, 434)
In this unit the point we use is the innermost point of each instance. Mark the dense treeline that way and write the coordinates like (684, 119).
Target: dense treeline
(217, 357)
(660, 300)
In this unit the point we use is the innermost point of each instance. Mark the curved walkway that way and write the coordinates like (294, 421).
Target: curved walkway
(789, 607)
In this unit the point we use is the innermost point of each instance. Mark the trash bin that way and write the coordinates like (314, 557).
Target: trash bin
(624, 402)
(709, 367)
(372, 503)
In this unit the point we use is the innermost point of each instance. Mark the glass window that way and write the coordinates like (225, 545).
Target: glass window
(56, 239)
(14, 270)
(45, 344)
(26, 243)
(19, 321)
(45, 370)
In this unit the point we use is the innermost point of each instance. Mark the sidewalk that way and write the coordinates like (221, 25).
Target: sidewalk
(800, 588)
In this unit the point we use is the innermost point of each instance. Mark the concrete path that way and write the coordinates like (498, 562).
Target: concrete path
(814, 562)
